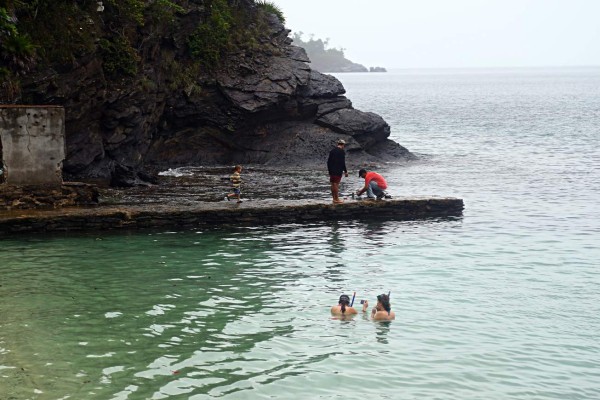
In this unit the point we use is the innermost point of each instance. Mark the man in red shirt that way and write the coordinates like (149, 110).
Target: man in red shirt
(375, 184)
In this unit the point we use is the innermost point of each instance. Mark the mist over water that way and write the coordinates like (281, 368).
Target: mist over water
(499, 304)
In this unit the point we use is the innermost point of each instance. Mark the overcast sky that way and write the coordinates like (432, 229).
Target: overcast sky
(453, 33)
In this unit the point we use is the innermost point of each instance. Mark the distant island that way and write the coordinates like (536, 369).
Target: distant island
(325, 59)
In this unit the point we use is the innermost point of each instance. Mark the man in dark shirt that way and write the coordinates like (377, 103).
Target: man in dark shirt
(336, 164)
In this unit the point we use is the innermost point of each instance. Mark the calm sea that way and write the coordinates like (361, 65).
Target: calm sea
(503, 303)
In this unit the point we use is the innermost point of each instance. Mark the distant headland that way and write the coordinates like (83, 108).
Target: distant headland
(324, 59)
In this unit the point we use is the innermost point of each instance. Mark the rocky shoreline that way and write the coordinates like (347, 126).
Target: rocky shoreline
(191, 197)
(69, 194)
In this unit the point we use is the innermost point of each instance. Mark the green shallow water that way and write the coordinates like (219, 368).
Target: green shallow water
(245, 314)
(502, 303)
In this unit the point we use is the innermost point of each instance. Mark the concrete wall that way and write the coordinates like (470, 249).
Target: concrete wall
(251, 213)
(33, 144)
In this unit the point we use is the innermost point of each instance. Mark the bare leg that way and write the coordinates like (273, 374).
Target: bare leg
(335, 191)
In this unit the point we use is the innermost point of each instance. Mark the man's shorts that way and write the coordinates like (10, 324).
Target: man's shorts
(335, 178)
(236, 191)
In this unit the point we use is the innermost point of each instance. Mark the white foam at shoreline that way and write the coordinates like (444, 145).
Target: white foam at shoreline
(177, 172)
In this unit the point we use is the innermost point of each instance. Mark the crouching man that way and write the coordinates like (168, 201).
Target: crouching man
(375, 185)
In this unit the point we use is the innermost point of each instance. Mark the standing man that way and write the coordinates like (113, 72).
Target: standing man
(375, 184)
(336, 164)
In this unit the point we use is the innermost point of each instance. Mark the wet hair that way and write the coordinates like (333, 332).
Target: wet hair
(344, 301)
(385, 302)
(237, 168)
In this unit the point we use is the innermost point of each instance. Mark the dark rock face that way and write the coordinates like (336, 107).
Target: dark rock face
(364, 127)
(264, 107)
(125, 176)
(322, 86)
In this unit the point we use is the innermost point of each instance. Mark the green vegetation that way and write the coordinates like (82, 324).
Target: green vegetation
(17, 49)
(162, 15)
(119, 57)
(7, 26)
(213, 37)
(61, 31)
(124, 34)
(249, 34)
(271, 8)
(127, 11)
(228, 29)
(17, 54)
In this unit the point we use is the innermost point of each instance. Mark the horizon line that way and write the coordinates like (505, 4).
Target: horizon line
(388, 69)
(497, 67)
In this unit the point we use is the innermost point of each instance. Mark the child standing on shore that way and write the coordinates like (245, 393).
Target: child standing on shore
(236, 181)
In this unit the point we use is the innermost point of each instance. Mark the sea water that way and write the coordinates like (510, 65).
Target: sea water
(502, 303)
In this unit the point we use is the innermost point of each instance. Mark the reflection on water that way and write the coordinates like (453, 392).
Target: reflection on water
(382, 329)
(335, 240)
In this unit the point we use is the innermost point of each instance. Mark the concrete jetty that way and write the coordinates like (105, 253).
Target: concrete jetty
(256, 212)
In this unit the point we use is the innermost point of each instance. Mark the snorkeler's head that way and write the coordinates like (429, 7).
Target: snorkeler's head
(385, 302)
(344, 299)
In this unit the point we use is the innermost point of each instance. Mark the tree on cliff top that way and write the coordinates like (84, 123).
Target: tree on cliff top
(325, 59)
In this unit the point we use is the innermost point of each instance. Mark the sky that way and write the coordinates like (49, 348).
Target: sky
(453, 33)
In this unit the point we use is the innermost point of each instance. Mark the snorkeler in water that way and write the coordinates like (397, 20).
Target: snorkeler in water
(382, 310)
(343, 307)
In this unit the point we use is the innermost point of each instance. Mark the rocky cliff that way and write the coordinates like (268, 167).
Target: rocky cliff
(260, 103)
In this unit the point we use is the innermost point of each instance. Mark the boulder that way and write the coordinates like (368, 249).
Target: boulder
(322, 86)
(365, 127)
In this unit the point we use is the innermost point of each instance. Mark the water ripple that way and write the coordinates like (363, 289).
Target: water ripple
(501, 303)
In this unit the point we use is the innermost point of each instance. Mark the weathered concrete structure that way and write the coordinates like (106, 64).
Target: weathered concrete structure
(32, 139)
(224, 213)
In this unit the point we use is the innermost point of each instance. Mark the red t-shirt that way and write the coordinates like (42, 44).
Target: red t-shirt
(377, 178)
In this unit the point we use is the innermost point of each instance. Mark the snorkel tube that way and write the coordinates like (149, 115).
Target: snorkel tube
(353, 296)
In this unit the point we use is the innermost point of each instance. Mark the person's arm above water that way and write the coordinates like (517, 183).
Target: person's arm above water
(365, 306)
